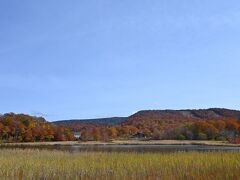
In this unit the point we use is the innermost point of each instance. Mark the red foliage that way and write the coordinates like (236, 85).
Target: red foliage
(234, 140)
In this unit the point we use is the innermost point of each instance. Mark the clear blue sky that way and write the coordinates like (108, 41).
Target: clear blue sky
(99, 58)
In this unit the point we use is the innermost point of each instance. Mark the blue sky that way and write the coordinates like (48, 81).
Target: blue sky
(100, 58)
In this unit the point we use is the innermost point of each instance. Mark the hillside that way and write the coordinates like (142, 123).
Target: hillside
(82, 124)
(170, 117)
(202, 124)
(103, 121)
(213, 113)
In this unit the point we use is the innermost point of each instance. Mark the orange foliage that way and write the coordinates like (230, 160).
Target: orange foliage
(25, 128)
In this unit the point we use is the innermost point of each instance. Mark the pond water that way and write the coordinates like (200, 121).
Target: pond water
(127, 148)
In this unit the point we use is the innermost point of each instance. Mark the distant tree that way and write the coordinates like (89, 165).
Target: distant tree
(113, 132)
(202, 136)
(181, 137)
(96, 134)
(189, 135)
(157, 134)
(28, 137)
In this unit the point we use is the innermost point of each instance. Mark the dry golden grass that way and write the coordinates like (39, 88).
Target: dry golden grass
(35, 164)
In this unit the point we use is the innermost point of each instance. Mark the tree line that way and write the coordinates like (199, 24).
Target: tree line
(26, 128)
(227, 129)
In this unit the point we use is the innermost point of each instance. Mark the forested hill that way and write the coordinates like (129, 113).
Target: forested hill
(202, 124)
(176, 115)
(158, 115)
(99, 121)
(169, 119)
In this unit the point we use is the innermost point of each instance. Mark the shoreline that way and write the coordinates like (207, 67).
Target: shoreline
(124, 142)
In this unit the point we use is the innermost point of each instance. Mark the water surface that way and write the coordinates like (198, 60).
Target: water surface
(126, 148)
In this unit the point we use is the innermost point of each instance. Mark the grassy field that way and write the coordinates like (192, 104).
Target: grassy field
(35, 164)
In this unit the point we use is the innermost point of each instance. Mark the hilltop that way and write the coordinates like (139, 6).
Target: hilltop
(104, 121)
(194, 114)
(158, 115)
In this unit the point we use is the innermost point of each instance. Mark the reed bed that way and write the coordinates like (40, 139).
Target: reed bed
(43, 164)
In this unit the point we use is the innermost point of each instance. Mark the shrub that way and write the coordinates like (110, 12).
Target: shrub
(221, 138)
(202, 136)
(181, 137)
(235, 140)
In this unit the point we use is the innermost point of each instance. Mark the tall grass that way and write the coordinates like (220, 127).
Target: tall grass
(36, 164)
